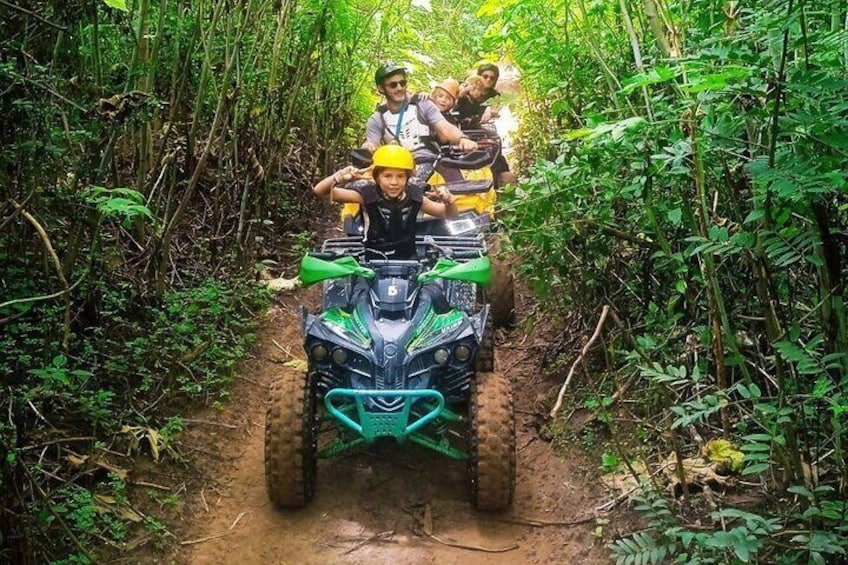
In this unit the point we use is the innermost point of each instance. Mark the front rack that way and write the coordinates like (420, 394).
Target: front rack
(461, 247)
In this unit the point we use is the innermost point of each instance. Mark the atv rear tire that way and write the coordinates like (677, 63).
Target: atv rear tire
(491, 461)
(486, 352)
(291, 441)
(501, 295)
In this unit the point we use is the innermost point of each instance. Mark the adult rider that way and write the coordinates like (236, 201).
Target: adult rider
(412, 124)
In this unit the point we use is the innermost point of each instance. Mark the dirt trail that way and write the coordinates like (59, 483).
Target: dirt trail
(370, 507)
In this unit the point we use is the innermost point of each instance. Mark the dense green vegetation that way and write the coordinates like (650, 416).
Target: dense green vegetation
(690, 175)
(155, 156)
(683, 165)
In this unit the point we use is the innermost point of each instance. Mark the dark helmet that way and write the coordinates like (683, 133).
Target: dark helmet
(385, 70)
(489, 67)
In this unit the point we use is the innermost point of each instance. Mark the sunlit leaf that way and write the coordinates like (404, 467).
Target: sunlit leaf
(117, 4)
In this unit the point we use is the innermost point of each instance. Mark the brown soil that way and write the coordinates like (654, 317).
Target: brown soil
(387, 504)
(379, 506)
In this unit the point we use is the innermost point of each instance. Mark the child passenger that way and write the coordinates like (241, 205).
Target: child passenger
(390, 204)
(445, 95)
(469, 106)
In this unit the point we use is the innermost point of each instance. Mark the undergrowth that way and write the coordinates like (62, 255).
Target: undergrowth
(135, 364)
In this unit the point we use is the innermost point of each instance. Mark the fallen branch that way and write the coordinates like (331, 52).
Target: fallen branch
(151, 485)
(512, 547)
(283, 349)
(540, 523)
(208, 423)
(607, 506)
(207, 538)
(51, 508)
(382, 536)
(580, 357)
(237, 520)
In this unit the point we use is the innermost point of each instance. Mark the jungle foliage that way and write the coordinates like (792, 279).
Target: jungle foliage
(156, 155)
(690, 174)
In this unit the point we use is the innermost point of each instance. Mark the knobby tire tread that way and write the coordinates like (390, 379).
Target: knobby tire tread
(290, 443)
(491, 463)
(486, 351)
(501, 295)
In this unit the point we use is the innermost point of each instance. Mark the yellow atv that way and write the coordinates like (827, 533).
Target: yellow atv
(476, 198)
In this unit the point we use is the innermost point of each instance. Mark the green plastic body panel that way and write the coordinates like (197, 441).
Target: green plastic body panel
(477, 271)
(313, 270)
(350, 326)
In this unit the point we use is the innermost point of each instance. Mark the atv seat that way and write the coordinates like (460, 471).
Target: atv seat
(469, 186)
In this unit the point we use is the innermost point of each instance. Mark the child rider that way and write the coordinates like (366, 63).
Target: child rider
(390, 204)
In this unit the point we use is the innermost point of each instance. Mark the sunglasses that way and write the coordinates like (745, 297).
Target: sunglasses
(487, 76)
(396, 83)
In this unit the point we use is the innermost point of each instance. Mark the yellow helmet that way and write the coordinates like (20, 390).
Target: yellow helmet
(394, 157)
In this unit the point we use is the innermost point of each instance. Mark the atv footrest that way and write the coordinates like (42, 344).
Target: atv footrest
(397, 424)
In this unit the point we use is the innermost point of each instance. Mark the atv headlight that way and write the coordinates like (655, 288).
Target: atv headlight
(319, 352)
(441, 356)
(339, 356)
(462, 353)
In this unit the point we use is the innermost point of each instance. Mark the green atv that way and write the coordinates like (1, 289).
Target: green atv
(395, 352)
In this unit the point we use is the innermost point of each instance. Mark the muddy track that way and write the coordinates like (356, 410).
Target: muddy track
(388, 504)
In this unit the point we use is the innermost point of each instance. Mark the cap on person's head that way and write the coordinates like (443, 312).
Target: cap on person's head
(393, 157)
(489, 67)
(451, 87)
(386, 70)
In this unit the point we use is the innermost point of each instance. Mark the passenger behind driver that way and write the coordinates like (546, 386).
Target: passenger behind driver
(469, 105)
(444, 96)
(389, 204)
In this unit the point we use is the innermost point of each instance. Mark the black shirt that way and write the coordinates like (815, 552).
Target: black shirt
(469, 112)
(390, 224)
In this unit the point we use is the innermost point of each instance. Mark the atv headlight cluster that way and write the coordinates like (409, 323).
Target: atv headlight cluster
(441, 356)
(461, 353)
(318, 353)
(339, 356)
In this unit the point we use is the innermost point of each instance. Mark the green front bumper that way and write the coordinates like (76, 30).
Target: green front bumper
(347, 406)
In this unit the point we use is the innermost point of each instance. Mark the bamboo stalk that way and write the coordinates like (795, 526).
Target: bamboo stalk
(222, 109)
(637, 54)
(708, 268)
(650, 8)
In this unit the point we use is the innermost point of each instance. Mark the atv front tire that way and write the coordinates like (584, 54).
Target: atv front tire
(291, 441)
(491, 462)
(486, 351)
(501, 295)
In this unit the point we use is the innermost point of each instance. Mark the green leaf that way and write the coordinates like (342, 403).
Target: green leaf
(675, 215)
(654, 76)
(756, 469)
(117, 4)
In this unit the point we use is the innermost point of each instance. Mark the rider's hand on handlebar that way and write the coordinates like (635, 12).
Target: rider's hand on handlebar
(466, 144)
